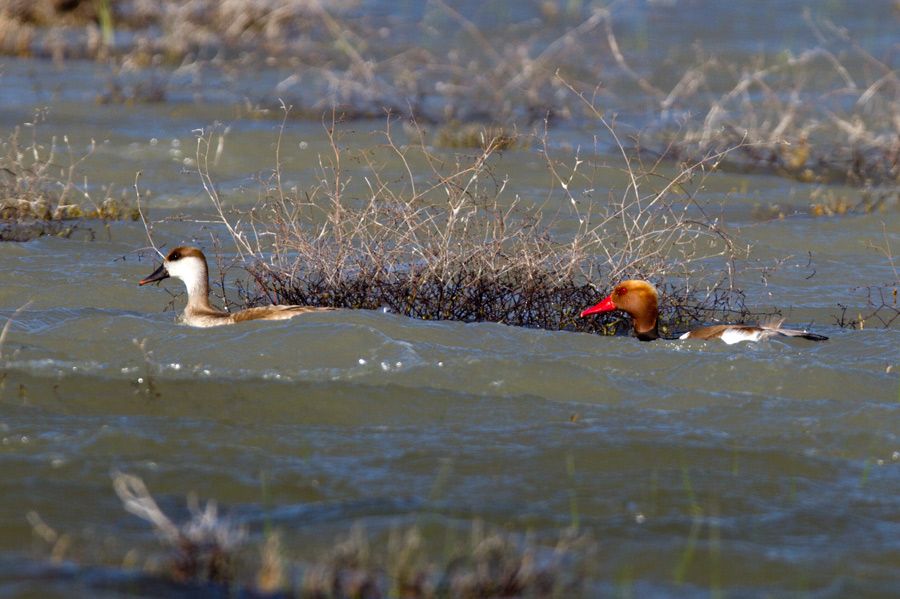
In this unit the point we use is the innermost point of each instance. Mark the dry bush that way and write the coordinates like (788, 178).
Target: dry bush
(229, 29)
(171, 31)
(32, 184)
(454, 247)
(882, 309)
(342, 58)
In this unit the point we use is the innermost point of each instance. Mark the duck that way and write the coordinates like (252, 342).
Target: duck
(640, 300)
(189, 265)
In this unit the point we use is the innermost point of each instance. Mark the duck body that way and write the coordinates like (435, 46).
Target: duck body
(189, 265)
(640, 300)
(213, 317)
(735, 333)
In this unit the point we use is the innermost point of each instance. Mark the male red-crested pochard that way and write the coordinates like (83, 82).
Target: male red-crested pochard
(189, 265)
(639, 299)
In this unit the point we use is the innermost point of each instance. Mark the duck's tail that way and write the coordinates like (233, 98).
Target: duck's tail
(774, 326)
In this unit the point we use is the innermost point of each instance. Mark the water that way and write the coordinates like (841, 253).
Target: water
(698, 468)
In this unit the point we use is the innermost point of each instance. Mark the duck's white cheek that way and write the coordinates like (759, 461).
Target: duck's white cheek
(174, 270)
(181, 269)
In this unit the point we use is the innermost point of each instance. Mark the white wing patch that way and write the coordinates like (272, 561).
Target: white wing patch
(732, 336)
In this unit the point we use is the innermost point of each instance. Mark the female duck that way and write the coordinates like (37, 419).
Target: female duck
(639, 300)
(189, 265)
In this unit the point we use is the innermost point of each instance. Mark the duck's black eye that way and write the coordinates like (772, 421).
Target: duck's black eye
(174, 256)
(621, 291)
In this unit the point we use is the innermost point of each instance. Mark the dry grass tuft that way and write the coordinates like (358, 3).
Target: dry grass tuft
(203, 549)
(830, 114)
(475, 135)
(488, 564)
(40, 187)
(206, 551)
(882, 307)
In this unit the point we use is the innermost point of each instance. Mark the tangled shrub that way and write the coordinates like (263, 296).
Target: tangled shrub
(456, 248)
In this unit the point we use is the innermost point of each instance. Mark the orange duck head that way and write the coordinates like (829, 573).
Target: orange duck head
(639, 300)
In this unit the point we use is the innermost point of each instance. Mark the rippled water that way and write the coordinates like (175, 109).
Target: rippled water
(698, 467)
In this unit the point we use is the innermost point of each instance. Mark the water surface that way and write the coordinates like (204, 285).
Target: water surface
(782, 457)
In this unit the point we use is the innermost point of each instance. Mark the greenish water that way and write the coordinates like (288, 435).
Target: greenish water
(789, 451)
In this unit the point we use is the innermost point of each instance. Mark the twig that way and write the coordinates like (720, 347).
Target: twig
(147, 227)
(9, 322)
